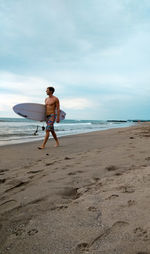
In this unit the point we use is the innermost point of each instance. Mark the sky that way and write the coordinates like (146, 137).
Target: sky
(96, 53)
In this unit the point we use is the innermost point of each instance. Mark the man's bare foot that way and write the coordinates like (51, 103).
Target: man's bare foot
(41, 147)
(57, 144)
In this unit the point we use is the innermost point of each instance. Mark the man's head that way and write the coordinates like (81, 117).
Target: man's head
(50, 90)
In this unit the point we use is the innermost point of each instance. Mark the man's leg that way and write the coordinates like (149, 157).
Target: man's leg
(45, 140)
(55, 137)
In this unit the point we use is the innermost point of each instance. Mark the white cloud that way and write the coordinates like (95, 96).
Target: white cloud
(30, 86)
(75, 103)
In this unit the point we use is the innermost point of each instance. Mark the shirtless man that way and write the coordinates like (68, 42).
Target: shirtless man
(51, 104)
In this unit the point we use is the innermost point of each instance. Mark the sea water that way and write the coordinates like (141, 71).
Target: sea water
(19, 130)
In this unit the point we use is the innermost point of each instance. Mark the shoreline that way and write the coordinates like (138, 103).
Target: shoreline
(82, 133)
(90, 195)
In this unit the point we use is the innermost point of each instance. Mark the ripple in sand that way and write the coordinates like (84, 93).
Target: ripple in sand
(8, 202)
(35, 171)
(17, 184)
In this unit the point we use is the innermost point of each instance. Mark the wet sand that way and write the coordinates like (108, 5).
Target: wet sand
(90, 195)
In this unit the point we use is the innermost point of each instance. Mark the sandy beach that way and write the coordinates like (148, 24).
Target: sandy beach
(90, 195)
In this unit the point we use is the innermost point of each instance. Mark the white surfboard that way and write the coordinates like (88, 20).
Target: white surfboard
(34, 111)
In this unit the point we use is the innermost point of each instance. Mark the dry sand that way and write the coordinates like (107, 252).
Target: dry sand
(90, 195)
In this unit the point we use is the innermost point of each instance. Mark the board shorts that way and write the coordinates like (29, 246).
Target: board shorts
(50, 119)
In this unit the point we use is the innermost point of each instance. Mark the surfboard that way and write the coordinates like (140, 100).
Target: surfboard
(34, 111)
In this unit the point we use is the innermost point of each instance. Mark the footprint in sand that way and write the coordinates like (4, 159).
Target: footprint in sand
(144, 165)
(17, 228)
(32, 232)
(72, 173)
(70, 193)
(51, 163)
(147, 158)
(109, 234)
(141, 252)
(92, 209)
(111, 168)
(66, 167)
(142, 234)
(28, 166)
(31, 177)
(81, 247)
(126, 189)
(59, 207)
(103, 238)
(112, 197)
(96, 179)
(19, 232)
(118, 174)
(131, 202)
(2, 180)
(76, 172)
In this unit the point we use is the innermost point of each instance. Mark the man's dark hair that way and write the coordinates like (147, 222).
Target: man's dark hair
(52, 89)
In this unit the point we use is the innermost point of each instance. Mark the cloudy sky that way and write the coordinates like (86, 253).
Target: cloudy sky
(96, 53)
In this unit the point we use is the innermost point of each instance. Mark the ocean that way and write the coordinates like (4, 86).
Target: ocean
(19, 130)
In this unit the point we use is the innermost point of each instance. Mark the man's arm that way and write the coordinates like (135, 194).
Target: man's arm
(45, 108)
(58, 110)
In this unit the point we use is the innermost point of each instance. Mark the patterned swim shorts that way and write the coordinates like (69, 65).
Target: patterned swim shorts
(50, 119)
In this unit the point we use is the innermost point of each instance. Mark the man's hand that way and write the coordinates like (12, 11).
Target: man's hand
(57, 120)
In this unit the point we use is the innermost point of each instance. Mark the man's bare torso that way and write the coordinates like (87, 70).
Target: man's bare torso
(50, 103)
